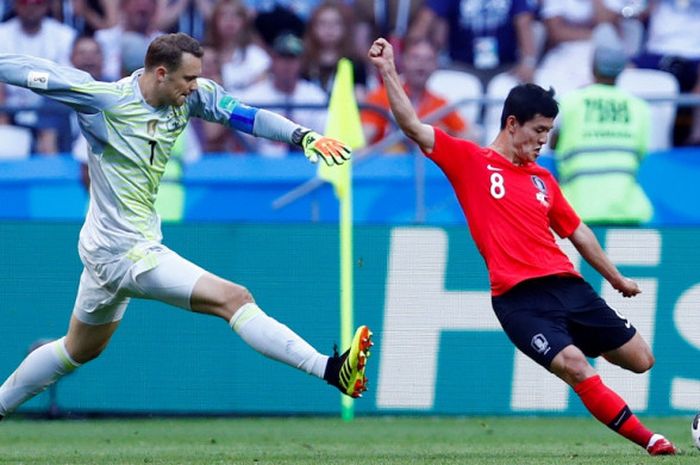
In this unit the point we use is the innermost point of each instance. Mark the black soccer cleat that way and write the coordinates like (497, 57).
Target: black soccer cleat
(347, 371)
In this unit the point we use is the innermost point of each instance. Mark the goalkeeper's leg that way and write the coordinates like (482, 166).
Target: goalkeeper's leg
(277, 341)
(41, 368)
(216, 296)
(49, 362)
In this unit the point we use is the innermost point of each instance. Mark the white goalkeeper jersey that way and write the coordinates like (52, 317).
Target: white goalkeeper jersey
(129, 145)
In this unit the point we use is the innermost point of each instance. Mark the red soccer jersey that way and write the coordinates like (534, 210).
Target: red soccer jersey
(511, 211)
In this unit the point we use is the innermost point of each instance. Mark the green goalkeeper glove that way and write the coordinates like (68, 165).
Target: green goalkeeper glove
(331, 151)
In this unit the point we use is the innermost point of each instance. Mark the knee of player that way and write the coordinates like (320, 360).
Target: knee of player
(237, 296)
(572, 366)
(578, 370)
(645, 363)
(87, 354)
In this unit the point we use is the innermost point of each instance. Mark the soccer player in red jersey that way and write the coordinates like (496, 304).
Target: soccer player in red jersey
(511, 205)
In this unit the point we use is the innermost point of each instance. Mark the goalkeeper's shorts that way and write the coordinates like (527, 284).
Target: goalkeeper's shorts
(150, 271)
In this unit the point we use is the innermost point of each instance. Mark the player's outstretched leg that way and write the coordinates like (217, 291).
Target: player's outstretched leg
(610, 409)
(41, 368)
(347, 371)
(277, 341)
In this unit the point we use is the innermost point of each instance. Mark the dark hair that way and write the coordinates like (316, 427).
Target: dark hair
(525, 101)
(245, 35)
(411, 42)
(313, 45)
(167, 50)
(84, 38)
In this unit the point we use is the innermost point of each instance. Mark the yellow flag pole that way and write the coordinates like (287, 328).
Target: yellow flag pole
(344, 124)
(346, 288)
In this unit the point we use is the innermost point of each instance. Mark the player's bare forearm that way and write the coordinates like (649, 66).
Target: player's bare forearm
(381, 54)
(526, 40)
(602, 14)
(525, 69)
(561, 31)
(588, 246)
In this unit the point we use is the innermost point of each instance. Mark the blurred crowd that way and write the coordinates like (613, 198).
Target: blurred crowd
(282, 55)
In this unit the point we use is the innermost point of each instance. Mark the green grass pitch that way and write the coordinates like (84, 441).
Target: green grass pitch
(330, 441)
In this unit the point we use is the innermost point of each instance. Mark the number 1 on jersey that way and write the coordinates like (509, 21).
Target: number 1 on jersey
(152, 143)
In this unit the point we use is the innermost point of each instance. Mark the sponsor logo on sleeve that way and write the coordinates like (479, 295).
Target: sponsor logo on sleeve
(227, 103)
(38, 80)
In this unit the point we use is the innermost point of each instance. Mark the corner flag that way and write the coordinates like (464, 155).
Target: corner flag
(344, 124)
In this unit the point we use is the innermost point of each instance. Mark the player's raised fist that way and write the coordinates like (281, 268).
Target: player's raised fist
(381, 53)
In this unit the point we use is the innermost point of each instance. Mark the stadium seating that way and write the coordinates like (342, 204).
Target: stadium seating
(455, 86)
(652, 83)
(16, 142)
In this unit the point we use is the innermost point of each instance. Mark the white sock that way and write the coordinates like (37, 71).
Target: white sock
(275, 340)
(40, 369)
(652, 440)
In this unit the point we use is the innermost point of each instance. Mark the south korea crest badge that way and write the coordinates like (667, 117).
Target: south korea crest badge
(541, 194)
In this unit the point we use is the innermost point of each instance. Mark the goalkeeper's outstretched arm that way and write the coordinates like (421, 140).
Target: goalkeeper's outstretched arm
(213, 103)
(68, 85)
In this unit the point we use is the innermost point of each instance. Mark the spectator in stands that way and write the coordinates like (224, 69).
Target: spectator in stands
(328, 39)
(133, 49)
(485, 38)
(272, 17)
(673, 45)
(55, 9)
(419, 62)
(284, 89)
(31, 32)
(212, 137)
(570, 25)
(138, 17)
(301, 9)
(189, 16)
(89, 16)
(6, 10)
(602, 138)
(86, 55)
(383, 18)
(242, 61)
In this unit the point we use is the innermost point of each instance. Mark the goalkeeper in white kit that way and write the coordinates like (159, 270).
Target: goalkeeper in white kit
(131, 126)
